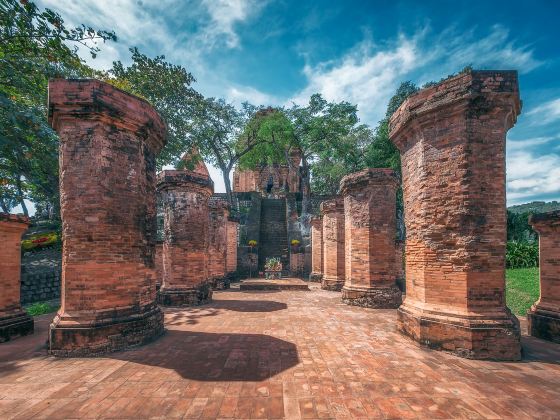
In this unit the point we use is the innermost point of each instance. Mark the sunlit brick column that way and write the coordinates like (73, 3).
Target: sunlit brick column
(316, 249)
(370, 230)
(333, 244)
(452, 142)
(231, 256)
(544, 316)
(217, 246)
(14, 321)
(108, 146)
(184, 196)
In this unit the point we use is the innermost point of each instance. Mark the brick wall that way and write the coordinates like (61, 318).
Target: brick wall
(316, 249)
(333, 244)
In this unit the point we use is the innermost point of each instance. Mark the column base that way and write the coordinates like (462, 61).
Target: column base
(221, 283)
(72, 337)
(16, 325)
(544, 324)
(334, 285)
(389, 297)
(316, 277)
(233, 277)
(492, 336)
(196, 296)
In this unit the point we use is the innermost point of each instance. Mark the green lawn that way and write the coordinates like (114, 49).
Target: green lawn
(522, 289)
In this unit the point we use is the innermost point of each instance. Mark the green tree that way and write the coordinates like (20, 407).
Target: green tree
(35, 45)
(168, 88)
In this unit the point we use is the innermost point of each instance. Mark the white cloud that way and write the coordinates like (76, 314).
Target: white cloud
(530, 176)
(513, 145)
(369, 74)
(546, 113)
(240, 94)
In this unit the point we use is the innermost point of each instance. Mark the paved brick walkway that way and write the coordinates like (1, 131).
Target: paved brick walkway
(277, 354)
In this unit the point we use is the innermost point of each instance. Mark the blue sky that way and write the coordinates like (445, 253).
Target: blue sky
(278, 52)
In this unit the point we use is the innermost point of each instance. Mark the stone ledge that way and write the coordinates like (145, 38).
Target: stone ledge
(316, 277)
(544, 324)
(79, 340)
(389, 297)
(185, 297)
(334, 285)
(16, 325)
(492, 338)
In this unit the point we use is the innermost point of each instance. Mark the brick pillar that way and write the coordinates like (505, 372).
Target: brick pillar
(108, 146)
(370, 228)
(217, 246)
(14, 321)
(158, 263)
(544, 316)
(184, 196)
(316, 249)
(231, 253)
(333, 244)
(452, 142)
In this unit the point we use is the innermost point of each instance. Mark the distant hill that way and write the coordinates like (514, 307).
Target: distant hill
(535, 207)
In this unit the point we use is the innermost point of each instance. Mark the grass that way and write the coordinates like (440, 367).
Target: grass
(41, 308)
(522, 289)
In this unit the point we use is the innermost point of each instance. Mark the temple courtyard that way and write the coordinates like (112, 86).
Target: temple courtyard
(276, 354)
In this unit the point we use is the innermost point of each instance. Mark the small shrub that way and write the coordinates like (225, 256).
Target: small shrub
(522, 254)
(41, 308)
(252, 242)
(40, 240)
(295, 242)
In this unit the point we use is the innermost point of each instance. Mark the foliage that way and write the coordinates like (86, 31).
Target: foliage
(535, 207)
(41, 308)
(35, 45)
(295, 242)
(518, 227)
(273, 264)
(522, 254)
(522, 289)
(168, 88)
(252, 242)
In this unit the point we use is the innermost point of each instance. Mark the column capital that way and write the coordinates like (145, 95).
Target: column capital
(183, 179)
(99, 101)
(370, 176)
(334, 205)
(474, 93)
(543, 222)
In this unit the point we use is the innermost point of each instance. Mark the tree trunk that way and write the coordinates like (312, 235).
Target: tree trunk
(20, 197)
(306, 187)
(4, 206)
(225, 173)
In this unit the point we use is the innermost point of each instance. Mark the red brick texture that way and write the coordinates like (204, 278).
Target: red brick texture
(217, 245)
(544, 316)
(370, 230)
(316, 249)
(452, 142)
(158, 263)
(184, 196)
(333, 244)
(14, 321)
(231, 253)
(108, 145)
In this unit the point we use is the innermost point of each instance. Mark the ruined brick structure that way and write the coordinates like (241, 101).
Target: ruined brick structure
(333, 244)
(14, 321)
(217, 244)
(184, 195)
(108, 146)
(544, 316)
(232, 229)
(451, 137)
(370, 230)
(158, 263)
(276, 179)
(316, 249)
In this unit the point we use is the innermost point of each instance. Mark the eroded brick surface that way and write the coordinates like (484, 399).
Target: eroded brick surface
(544, 316)
(232, 233)
(316, 249)
(108, 145)
(370, 230)
(452, 142)
(184, 196)
(14, 321)
(218, 244)
(333, 244)
(281, 354)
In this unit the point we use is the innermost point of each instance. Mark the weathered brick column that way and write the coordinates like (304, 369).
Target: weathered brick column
(217, 246)
(158, 263)
(184, 196)
(316, 249)
(14, 321)
(452, 142)
(108, 146)
(544, 316)
(231, 252)
(333, 244)
(370, 228)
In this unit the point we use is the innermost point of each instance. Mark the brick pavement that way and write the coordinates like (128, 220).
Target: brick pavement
(281, 354)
